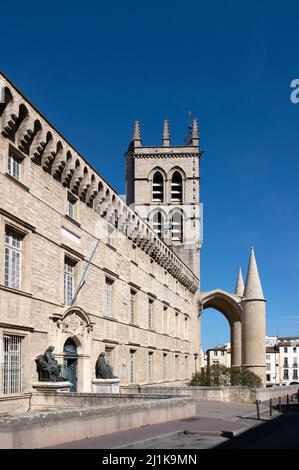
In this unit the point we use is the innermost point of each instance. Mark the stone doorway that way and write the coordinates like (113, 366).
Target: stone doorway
(70, 362)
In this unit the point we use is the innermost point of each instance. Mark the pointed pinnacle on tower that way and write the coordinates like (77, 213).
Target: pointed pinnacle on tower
(195, 132)
(253, 287)
(166, 134)
(136, 139)
(240, 284)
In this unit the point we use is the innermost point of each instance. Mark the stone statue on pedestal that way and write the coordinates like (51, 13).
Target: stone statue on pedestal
(48, 368)
(103, 370)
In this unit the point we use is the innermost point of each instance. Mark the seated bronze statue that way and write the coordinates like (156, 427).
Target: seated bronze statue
(103, 370)
(47, 367)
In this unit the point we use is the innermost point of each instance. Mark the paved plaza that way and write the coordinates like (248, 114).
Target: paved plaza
(215, 424)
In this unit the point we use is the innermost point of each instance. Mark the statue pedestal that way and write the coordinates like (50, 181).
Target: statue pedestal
(105, 385)
(41, 387)
(45, 395)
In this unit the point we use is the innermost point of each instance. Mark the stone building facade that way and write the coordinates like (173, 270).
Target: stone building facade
(85, 272)
(80, 270)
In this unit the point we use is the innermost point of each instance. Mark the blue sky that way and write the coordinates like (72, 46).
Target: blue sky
(93, 68)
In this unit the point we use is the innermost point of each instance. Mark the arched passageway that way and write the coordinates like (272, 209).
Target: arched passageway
(230, 306)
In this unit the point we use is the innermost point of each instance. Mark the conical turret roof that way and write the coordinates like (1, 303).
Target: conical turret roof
(240, 284)
(253, 288)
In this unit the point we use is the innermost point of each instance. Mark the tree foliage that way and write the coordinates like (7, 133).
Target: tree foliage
(219, 375)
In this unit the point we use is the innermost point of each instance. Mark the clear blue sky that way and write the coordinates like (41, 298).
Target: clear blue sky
(94, 67)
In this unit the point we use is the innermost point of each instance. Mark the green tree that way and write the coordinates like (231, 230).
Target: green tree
(219, 375)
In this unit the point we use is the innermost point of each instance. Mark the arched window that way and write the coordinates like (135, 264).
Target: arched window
(158, 224)
(176, 187)
(177, 226)
(158, 187)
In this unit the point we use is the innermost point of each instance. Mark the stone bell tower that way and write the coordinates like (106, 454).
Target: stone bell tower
(162, 186)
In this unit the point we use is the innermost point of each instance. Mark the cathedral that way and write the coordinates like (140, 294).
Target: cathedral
(86, 272)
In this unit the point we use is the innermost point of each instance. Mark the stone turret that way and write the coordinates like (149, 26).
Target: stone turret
(136, 139)
(240, 284)
(253, 322)
(166, 134)
(195, 132)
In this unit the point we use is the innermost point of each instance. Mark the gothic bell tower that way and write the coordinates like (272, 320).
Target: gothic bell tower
(162, 186)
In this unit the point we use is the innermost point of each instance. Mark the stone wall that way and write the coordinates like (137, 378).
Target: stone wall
(35, 206)
(224, 394)
(38, 430)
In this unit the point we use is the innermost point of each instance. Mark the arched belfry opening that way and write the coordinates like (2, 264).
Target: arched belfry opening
(158, 224)
(177, 226)
(177, 187)
(158, 187)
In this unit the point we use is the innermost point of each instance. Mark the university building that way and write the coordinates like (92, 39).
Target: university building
(84, 271)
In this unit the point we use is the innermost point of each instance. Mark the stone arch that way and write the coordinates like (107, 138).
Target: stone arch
(7, 97)
(230, 306)
(76, 324)
(179, 170)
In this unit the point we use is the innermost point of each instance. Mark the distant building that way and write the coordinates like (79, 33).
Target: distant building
(288, 359)
(272, 365)
(219, 355)
(282, 359)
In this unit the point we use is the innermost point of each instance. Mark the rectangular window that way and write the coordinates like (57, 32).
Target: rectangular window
(222, 353)
(295, 362)
(69, 280)
(268, 378)
(14, 166)
(70, 206)
(176, 366)
(285, 362)
(216, 353)
(150, 314)
(286, 374)
(268, 357)
(12, 365)
(186, 366)
(150, 366)
(285, 350)
(294, 350)
(177, 325)
(295, 374)
(13, 258)
(132, 306)
(109, 355)
(164, 366)
(132, 367)
(186, 328)
(108, 298)
(268, 366)
(165, 320)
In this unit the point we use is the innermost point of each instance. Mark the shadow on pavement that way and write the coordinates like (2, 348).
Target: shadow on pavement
(281, 432)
